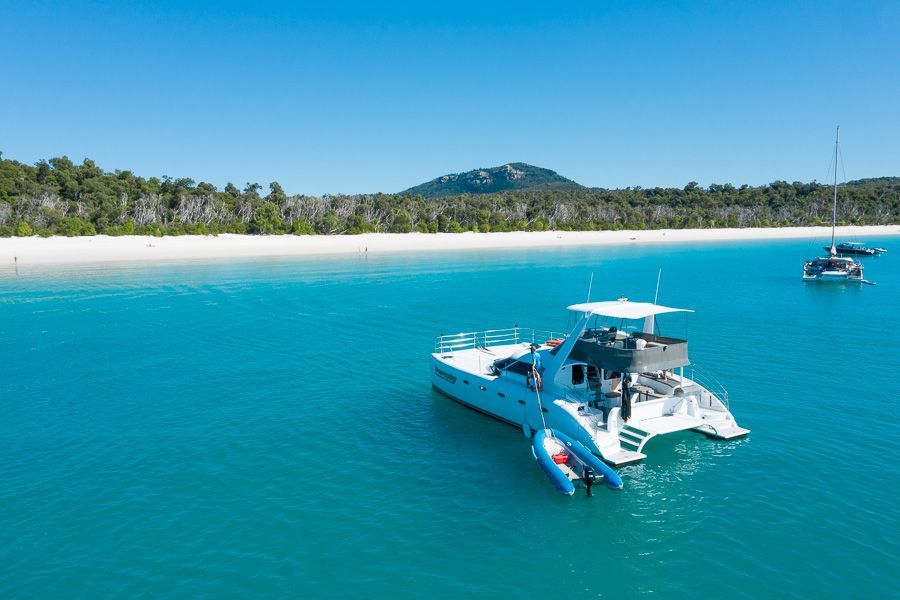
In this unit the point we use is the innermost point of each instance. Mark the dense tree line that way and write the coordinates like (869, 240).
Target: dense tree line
(62, 198)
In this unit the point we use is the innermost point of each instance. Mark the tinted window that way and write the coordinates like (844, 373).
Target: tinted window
(577, 374)
(503, 363)
(519, 367)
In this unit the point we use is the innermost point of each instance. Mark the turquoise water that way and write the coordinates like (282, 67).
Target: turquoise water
(268, 427)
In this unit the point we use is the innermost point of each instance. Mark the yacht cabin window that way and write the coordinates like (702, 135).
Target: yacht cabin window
(577, 374)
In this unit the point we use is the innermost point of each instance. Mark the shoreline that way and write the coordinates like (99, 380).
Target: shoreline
(59, 250)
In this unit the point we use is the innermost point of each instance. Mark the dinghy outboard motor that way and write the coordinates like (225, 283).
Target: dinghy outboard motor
(588, 476)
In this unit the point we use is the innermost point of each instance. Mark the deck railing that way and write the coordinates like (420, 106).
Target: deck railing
(493, 337)
(708, 381)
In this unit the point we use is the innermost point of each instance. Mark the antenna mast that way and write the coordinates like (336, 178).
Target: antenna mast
(650, 322)
(837, 135)
(656, 295)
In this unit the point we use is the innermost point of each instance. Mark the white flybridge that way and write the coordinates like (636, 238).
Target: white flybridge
(607, 384)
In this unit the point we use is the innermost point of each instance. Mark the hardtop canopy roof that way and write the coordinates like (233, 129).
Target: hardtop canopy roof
(623, 309)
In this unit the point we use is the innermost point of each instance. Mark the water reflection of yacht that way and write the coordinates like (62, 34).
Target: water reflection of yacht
(609, 383)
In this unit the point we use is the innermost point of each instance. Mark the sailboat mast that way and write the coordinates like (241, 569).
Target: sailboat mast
(837, 136)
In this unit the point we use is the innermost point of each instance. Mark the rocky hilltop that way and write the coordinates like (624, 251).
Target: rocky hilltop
(511, 176)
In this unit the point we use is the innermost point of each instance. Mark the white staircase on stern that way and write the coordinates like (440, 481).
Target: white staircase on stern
(632, 438)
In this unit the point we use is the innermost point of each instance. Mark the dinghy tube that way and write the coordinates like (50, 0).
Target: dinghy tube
(579, 458)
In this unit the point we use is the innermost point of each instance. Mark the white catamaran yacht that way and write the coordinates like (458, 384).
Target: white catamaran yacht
(606, 384)
(834, 267)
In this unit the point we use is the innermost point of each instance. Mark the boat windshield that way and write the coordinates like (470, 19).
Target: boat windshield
(512, 365)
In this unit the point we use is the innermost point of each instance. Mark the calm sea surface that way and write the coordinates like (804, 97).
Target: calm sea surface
(268, 427)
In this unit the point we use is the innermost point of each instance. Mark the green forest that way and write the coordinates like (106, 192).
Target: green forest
(58, 197)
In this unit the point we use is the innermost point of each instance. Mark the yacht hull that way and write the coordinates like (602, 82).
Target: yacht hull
(856, 251)
(473, 407)
(832, 278)
(488, 395)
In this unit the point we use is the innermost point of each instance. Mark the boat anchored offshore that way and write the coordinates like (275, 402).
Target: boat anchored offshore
(605, 385)
(857, 248)
(833, 267)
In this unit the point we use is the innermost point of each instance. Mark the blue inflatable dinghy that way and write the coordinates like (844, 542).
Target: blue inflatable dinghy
(567, 462)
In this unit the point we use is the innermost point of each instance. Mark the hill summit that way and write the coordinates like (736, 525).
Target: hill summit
(511, 176)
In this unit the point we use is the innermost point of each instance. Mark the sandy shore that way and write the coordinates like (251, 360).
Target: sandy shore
(98, 249)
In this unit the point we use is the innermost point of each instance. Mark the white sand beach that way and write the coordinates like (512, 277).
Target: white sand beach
(101, 248)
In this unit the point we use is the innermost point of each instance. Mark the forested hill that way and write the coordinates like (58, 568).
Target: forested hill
(512, 176)
(875, 182)
(60, 197)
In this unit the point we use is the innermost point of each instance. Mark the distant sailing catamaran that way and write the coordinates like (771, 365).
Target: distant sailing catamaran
(834, 268)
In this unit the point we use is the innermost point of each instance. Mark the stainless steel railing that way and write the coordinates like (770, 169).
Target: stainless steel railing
(708, 381)
(493, 337)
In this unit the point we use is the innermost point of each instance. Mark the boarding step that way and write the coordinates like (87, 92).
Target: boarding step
(633, 438)
(623, 457)
(728, 431)
(670, 423)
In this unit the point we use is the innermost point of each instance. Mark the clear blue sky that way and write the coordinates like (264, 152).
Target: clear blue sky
(367, 96)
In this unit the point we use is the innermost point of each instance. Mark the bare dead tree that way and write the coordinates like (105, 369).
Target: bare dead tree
(148, 210)
(40, 210)
(200, 208)
(245, 211)
(123, 208)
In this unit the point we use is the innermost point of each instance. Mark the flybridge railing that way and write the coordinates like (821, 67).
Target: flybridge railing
(493, 337)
